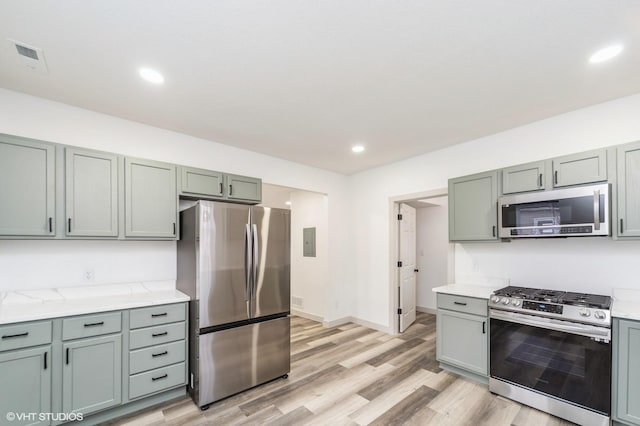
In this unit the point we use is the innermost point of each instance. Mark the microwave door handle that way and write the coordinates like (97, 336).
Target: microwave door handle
(596, 210)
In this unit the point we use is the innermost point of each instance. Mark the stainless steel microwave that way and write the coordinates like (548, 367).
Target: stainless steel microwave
(579, 211)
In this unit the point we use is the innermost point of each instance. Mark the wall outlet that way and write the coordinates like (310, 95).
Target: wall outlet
(88, 275)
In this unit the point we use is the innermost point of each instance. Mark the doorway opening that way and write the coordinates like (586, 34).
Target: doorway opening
(421, 255)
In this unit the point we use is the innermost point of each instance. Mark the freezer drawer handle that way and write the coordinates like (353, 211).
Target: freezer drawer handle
(164, 314)
(94, 324)
(13, 336)
(160, 354)
(159, 334)
(164, 376)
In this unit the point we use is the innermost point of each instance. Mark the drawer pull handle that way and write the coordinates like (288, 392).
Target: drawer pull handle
(45, 360)
(67, 356)
(13, 336)
(484, 330)
(94, 324)
(164, 376)
(159, 334)
(164, 314)
(160, 354)
(460, 303)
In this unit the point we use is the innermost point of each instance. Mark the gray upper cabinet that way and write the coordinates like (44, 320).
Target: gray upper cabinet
(626, 371)
(201, 183)
(243, 188)
(628, 194)
(92, 374)
(576, 169)
(91, 193)
(473, 207)
(523, 178)
(27, 170)
(26, 383)
(151, 200)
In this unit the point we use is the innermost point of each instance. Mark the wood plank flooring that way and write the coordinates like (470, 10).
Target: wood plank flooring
(352, 375)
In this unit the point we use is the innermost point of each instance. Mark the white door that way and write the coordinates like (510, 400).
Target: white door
(407, 279)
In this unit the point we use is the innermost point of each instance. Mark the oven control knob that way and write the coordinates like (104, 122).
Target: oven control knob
(600, 315)
(515, 302)
(495, 299)
(505, 301)
(584, 313)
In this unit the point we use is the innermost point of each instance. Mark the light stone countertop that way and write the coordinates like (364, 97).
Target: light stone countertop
(469, 290)
(626, 303)
(19, 306)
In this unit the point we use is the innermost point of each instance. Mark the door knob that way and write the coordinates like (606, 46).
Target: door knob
(416, 270)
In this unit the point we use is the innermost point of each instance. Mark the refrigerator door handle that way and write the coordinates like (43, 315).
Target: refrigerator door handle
(255, 259)
(247, 268)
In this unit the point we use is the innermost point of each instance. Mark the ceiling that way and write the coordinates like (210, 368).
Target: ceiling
(304, 80)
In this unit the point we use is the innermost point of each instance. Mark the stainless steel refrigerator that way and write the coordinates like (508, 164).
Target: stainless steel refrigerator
(234, 263)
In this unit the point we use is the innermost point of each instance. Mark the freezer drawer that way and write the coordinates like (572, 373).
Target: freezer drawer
(236, 359)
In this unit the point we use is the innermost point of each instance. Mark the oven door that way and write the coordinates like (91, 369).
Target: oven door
(561, 359)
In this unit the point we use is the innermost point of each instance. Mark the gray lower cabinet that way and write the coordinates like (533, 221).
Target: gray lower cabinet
(243, 188)
(628, 193)
(26, 385)
(151, 200)
(576, 169)
(462, 335)
(473, 207)
(91, 193)
(92, 374)
(626, 371)
(201, 183)
(523, 178)
(27, 193)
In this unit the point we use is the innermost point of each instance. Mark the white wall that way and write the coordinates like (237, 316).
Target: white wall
(609, 123)
(309, 275)
(28, 116)
(432, 252)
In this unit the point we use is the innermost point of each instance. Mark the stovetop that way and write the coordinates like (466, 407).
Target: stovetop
(562, 305)
(596, 301)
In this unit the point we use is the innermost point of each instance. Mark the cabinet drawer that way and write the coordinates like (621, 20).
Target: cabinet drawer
(156, 380)
(91, 325)
(156, 315)
(156, 335)
(469, 305)
(156, 356)
(25, 335)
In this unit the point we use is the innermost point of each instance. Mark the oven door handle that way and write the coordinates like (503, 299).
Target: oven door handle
(553, 324)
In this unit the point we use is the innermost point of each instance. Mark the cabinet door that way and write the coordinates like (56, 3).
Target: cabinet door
(91, 191)
(92, 374)
(201, 183)
(523, 178)
(151, 202)
(626, 374)
(461, 340)
(27, 193)
(576, 169)
(26, 384)
(628, 166)
(473, 207)
(243, 188)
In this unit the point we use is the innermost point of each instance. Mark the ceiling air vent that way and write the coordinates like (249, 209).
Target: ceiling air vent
(30, 56)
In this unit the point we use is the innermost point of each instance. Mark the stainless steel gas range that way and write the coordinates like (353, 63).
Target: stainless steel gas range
(551, 350)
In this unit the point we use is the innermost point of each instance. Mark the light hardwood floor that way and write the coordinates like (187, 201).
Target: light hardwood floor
(352, 375)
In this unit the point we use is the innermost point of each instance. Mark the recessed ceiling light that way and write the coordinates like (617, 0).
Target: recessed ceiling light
(151, 75)
(357, 148)
(288, 203)
(605, 54)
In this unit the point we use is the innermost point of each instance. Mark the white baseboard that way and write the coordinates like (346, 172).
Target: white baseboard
(364, 323)
(307, 315)
(427, 310)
